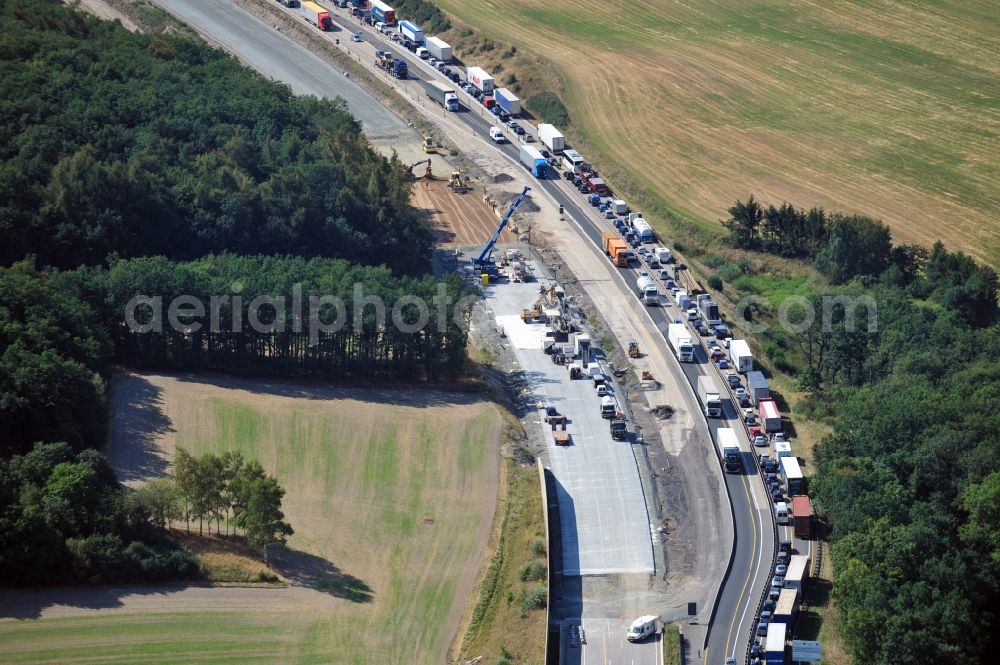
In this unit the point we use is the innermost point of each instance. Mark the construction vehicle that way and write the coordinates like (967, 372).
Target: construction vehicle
(483, 264)
(408, 170)
(548, 298)
(633, 350)
(458, 184)
(386, 61)
(429, 144)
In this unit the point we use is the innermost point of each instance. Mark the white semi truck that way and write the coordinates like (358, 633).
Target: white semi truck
(647, 290)
(680, 340)
(708, 393)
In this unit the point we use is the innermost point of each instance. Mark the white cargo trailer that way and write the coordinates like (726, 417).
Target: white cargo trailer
(551, 137)
(680, 340)
(739, 354)
(479, 78)
(439, 49)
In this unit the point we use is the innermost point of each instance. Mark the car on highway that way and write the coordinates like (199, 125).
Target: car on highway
(768, 605)
(785, 546)
(768, 464)
(495, 110)
(356, 37)
(455, 77)
(762, 627)
(602, 390)
(741, 395)
(608, 214)
(724, 364)
(748, 416)
(516, 128)
(504, 116)
(529, 139)
(730, 661)
(759, 440)
(778, 581)
(781, 559)
(779, 437)
(773, 593)
(780, 569)
(664, 274)
(733, 379)
(702, 329)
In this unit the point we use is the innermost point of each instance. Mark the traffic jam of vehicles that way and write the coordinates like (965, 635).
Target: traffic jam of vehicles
(658, 280)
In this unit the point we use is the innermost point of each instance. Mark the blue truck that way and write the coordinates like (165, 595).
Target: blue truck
(382, 12)
(534, 160)
(411, 31)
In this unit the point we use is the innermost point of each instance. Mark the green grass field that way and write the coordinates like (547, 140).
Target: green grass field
(890, 109)
(391, 495)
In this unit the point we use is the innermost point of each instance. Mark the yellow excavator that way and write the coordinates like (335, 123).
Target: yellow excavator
(633, 349)
(429, 144)
(547, 299)
(408, 170)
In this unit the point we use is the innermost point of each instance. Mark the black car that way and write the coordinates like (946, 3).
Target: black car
(785, 546)
(455, 77)
(577, 181)
(768, 605)
(569, 175)
(504, 116)
(583, 189)
(703, 330)
(545, 153)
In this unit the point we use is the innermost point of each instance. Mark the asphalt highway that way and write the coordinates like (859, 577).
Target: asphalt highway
(733, 618)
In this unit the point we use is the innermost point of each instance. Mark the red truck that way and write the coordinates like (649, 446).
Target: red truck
(595, 184)
(317, 15)
(802, 514)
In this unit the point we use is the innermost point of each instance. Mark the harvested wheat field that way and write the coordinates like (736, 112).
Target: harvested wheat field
(391, 495)
(890, 109)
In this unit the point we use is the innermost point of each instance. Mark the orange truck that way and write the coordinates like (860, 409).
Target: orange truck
(616, 248)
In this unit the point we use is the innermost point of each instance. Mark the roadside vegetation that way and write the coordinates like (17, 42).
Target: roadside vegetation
(907, 479)
(671, 645)
(508, 622)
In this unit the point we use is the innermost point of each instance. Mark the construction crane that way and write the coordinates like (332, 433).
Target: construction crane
(484, 262)
(408, 170)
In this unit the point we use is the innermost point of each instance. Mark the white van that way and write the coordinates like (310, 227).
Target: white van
(422, 53)
(497, 135)
(781, 512)
(662, 255)
(641, 628)
(608, 407)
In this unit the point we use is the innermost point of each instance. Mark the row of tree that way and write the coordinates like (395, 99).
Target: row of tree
(224, 488)
(134, 144)
(60, 330)
(910, 478)
(65, 517)
(841, 246)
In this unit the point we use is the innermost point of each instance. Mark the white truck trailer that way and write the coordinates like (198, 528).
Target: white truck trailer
(551, 137)
(740, 356)
(439, 48)
(680, 340)
(708, 393)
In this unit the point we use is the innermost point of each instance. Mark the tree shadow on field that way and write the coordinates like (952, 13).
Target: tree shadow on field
(314, 572)
(305, 388)
(31, 603)
(138, 421)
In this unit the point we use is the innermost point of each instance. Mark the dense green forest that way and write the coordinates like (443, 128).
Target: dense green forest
(152, 164)
(138, 145)
(910, 478)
